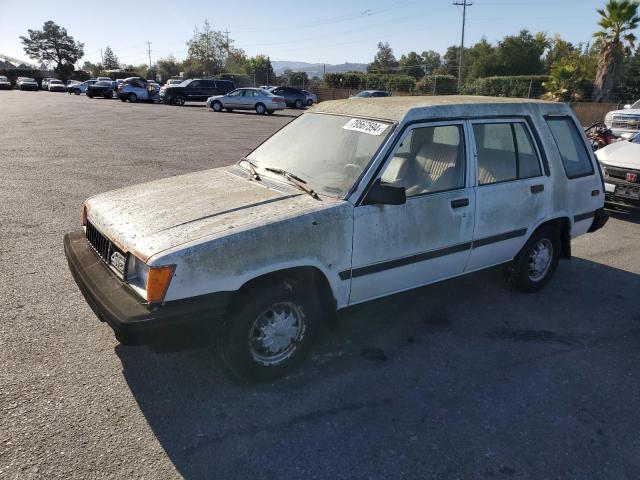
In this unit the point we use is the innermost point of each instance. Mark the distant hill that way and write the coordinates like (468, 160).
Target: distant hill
(317, 69)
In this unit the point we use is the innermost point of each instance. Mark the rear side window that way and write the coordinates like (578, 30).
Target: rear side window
(505, 152)
(573, 151)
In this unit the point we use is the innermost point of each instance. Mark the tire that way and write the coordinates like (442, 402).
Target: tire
(108, 95)
(271, 112)
(132, 97)
(216, 106)
(299, 104)
(123, 99)
(90, 95)
(534, 266)
(76, 91)
(261, 109)
(267, 317)
(309, 102)
(179, 100)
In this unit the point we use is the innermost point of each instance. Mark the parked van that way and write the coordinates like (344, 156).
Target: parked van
(354, 200)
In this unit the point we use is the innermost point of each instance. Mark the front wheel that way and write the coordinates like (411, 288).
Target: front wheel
(270, 331)
(534, 266)
(133, 98)
(76, 91)
(309, 102)
(90, 95)
(178, 100)
(261, 109)
(299, 104)
(216, 106)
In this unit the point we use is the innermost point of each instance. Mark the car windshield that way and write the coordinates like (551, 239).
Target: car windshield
(103, 84)
(55, 81)
(364, 94)
(327, 151)
(29, 80)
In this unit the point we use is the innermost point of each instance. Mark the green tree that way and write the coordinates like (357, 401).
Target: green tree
(169, 67)
(236, 61)
(207, 50)
(412, 64)
(260, 66)
(614, 40)
(431, 60)
(557, 51)
(92, 68)
(109, 59)
(53, 44)
(521, 54)
(384, 61)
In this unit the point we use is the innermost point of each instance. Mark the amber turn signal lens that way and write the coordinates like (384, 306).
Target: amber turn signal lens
(158, 282)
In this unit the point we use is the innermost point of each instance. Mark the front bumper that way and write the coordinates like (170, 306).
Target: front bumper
(133, 321)
(622, 193)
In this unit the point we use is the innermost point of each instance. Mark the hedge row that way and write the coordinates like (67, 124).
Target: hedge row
(437, 85)
(515, 86)
(370, 81)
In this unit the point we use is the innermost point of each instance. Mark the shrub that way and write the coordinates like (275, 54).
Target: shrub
(525, 86)
(370, 81)
(437, 85)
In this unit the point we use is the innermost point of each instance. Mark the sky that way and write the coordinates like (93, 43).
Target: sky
(329, 31)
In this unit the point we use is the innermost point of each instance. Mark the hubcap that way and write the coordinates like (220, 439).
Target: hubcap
(180, 101)
(276, 334)
(260, 109)
(540, 259)
(217, 107)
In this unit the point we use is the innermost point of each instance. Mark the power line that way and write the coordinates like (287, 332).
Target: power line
(464, 4)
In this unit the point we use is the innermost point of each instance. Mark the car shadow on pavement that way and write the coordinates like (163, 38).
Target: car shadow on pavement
(467, 367)
(628, 215)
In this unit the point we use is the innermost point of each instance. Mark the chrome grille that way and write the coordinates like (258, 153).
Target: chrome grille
(630, 122)
(620, 173)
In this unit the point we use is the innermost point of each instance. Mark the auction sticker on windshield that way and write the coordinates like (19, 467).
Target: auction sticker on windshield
(366, 126)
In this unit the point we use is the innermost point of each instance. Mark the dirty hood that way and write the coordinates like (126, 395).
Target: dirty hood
(622, 154)
(149, 218)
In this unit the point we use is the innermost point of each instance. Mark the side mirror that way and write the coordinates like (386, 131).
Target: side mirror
(384, 194)
(627, 106)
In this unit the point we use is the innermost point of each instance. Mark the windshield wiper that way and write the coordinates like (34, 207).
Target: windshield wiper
(297, 181)
(252, 168)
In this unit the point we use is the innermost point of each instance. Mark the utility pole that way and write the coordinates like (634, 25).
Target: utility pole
(464, 4)
(149, 53)
(268, 64)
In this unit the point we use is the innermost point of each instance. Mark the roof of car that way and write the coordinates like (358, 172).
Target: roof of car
(396, 108)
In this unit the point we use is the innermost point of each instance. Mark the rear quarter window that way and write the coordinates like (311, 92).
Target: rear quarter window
(573, 151)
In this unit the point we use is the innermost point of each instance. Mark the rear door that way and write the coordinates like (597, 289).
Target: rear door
(583, 186)
(512, 191)
(208, 89)
(192, 91)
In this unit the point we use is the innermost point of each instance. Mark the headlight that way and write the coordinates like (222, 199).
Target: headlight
(608, 118)
(153, 280)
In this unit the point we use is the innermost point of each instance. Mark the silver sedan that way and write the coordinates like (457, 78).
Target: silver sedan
(247, 99)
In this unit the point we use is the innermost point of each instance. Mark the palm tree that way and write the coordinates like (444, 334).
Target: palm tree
(615, 39)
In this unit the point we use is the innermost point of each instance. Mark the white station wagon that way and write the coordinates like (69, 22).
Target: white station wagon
(354, 200)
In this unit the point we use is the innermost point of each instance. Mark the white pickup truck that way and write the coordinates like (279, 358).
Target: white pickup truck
(354, 200)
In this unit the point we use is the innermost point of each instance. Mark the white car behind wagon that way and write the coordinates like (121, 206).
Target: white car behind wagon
(352, 201)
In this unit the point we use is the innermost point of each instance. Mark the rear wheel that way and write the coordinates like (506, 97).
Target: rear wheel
(534, 266)
(270, 331)
(132, 97)
(271, 112)
(309, 102)
(261, 109)
(299, 104)
(179, 100)
(76, 91)
(90, 95)
(216, 106)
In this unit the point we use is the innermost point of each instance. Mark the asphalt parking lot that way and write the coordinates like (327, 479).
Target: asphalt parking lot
(461, 380)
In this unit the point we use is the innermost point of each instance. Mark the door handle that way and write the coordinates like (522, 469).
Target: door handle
(537, 188)
(461, 202)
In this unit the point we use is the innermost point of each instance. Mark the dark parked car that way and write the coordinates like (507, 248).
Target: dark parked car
(198, 89)
(100, 89)
(292, 96)
(372, 93)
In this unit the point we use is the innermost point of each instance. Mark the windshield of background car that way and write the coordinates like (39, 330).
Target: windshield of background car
(364, 94)
(327, 151)
(103, 84)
